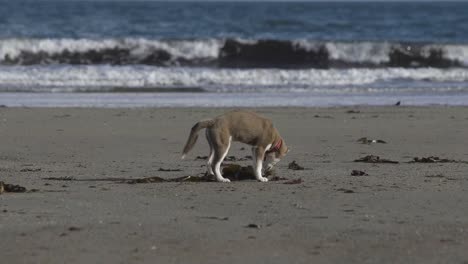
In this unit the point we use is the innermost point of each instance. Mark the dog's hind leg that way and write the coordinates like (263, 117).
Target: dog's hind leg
(209, 163)
(220, 152)
(258, 155)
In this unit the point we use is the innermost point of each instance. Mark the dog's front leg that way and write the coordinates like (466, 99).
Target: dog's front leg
(258, 155)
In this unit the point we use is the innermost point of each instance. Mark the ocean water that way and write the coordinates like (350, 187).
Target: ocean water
(132, 54)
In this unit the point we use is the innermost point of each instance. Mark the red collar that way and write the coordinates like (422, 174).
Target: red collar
(276, 147)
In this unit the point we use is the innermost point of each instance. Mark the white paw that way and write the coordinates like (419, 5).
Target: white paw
(224, 180)
(263, 179)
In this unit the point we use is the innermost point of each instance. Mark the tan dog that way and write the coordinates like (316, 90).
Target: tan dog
(243, 126)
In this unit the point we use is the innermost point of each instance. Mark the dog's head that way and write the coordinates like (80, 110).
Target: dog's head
(275, 155)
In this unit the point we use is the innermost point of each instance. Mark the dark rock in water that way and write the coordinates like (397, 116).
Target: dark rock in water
(398, 103)
(294, 166)
(374, 159)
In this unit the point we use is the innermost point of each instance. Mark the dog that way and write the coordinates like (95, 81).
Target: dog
(243, 126)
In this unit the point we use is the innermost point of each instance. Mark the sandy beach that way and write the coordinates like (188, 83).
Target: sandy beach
(398, 213)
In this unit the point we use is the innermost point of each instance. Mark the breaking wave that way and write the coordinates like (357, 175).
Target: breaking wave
(106, 78)
(232, 53)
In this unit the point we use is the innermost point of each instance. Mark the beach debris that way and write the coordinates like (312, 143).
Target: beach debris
(233, 172)
(319, 217)
(228, 158)
(295, 181)
(74, 228)
(156, 179)
(253, 226)
(294, 166)
(214, 218)
(375, 159)
(365, 140)
(435, 176)
(353, 112)
(62, 116)
(345, 190)
(358, 173)
(434, 159)
(161, 169)
(66, 178)
(278, 178)
(5, 187)
(146, 180)
(237, 172)
(30, 170)
(325, 116)
(233, 158)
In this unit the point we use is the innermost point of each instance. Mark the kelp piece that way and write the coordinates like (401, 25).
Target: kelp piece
(365, 140)
(5, 187)
(294, 166)
(374, 159)
(358, 173)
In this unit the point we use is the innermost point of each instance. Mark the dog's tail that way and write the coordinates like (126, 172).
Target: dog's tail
(192, 139)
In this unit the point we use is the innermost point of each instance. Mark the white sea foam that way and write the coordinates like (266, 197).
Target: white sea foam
(187, 49)
(457, 52)
(362, 52)
(100, 78)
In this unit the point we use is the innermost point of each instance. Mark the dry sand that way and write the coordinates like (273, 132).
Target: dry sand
(400, 213)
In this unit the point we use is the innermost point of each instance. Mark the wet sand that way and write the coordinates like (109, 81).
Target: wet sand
(399, 213)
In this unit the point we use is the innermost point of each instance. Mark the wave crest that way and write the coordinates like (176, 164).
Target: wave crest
(231, 53)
